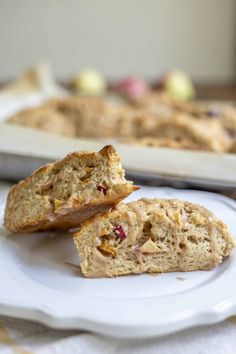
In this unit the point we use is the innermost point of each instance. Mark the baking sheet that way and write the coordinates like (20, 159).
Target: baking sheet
(24, 149)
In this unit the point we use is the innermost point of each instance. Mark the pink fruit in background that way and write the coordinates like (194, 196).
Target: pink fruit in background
(132, 87)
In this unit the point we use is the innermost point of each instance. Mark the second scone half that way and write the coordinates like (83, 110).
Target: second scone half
(153, 236)
(63, 194)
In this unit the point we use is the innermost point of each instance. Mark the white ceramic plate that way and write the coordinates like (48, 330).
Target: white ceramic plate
(36, 282)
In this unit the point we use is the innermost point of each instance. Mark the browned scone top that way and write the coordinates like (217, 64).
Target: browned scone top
(97, 118)
(157, 103)
(224, 112)
(205, 134)
(152, 236)
(83, 117)
(62, 194)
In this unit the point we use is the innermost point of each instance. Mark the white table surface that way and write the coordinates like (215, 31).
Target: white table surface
(23, 337)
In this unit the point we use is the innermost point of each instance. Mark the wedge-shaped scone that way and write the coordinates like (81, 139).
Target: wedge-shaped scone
(46, 119)
(205, 134)
(225, 113)
(163, 105)
(63, 194)
(153, 236)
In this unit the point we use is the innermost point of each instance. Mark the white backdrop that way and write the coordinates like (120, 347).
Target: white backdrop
(142, 37)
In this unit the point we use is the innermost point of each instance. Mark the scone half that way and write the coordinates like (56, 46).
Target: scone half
(63, 194)
(152, 236)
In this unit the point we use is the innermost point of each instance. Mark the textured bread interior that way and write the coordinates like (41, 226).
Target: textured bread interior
(153, 236)
(62, 194)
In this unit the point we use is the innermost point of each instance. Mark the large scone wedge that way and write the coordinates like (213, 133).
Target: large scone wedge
(152, 236)
(63, 194)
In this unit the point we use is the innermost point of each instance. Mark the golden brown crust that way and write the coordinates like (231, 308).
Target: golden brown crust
(61, 195)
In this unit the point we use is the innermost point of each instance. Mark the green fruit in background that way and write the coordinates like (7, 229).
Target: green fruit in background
(179, 85)
(90, 82)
